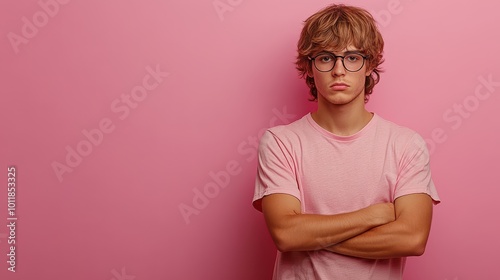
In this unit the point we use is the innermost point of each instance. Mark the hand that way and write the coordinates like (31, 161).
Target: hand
(382, 213)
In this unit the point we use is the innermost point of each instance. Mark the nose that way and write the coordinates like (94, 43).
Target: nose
(338, 68)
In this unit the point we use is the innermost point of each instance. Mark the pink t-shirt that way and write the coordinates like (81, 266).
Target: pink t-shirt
(333, 174)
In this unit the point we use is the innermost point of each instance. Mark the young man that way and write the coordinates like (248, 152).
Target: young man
(345, 193)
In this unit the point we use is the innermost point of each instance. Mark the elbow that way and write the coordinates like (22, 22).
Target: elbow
(283, 245)
(417, 251)
(283, 248)
(283, 241)
(416, 246)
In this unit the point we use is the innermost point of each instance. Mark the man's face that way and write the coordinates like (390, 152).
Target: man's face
(339, 86)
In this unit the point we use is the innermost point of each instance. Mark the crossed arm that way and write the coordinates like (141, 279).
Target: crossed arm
(378, 231)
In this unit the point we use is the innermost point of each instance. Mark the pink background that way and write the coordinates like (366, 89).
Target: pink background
(230, 74)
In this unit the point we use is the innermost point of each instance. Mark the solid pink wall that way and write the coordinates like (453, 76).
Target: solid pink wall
(117, 114)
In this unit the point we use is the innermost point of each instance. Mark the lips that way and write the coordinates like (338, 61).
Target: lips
(339, 86)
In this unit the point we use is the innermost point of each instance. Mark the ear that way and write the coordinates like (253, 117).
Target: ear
(310, 72)
(369, 70)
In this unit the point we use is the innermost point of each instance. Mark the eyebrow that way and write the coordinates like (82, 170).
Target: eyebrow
(344, 53)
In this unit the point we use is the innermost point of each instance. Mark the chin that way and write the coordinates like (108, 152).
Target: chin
(340, 99)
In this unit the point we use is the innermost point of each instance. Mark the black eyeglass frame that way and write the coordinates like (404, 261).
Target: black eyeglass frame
(313, 59)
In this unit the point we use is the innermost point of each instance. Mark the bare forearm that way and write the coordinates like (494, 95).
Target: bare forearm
(406, 236)
(383, 242)
(303, 232)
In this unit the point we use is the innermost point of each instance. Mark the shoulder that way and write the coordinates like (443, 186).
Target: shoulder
(289, 132)
(395, 130)
(285, 138)
(401, 137)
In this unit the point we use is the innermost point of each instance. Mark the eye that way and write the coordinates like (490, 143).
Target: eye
(325, 58)
(353, 58)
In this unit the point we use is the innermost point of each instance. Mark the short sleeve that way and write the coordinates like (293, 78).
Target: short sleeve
(414, 173)
(276, 171)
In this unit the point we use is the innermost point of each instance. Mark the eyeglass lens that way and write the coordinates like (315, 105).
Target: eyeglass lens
(352, 62)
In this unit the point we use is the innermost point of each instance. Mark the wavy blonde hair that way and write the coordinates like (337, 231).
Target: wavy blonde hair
(337, 27)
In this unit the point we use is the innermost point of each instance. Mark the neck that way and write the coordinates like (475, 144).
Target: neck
(344, 119)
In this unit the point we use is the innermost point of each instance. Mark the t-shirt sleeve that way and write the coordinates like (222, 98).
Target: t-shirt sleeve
(275, 170)
(414, 174)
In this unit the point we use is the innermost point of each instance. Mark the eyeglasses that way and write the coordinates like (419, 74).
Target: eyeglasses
(325, 61)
